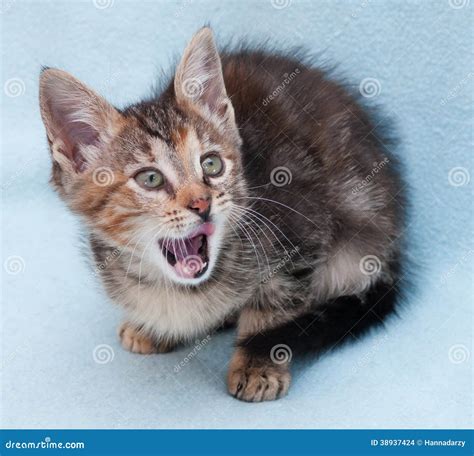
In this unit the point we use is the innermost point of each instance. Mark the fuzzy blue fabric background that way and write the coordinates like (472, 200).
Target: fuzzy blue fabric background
(62, 365)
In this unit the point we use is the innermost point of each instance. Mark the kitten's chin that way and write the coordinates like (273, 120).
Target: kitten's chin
(190, 260)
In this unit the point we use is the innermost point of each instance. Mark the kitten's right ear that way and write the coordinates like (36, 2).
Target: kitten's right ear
(199, 83)
(78, 121)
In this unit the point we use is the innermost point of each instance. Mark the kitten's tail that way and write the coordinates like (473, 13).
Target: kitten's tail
(329, 326)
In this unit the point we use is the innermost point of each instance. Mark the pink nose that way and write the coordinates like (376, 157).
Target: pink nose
(201, 206)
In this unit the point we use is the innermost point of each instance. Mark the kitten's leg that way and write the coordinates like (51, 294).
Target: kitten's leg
(263, 343)
(331, 324)
(257, 378)
(133, 339)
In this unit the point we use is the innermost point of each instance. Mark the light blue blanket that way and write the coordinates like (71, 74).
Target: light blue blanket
(61, 363)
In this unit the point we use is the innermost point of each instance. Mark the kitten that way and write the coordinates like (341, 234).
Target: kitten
(251, 189)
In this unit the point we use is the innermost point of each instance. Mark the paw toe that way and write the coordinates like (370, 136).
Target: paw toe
(132, 340)
(257, 384)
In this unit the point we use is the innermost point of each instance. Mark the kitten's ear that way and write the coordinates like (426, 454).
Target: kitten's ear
(78, 121)
(199, 83)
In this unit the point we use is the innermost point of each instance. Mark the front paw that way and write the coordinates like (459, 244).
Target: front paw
(255, 380)
(134, 340)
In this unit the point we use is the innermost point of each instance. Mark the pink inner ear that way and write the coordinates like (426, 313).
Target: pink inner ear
(74, 134)
(212, 96)
(73, 115)
(214, 90)
(82, 133)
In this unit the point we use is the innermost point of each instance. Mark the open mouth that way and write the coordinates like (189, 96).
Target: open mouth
(189, 257)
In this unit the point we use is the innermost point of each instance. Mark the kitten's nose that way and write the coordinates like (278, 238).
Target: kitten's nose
(202, 206)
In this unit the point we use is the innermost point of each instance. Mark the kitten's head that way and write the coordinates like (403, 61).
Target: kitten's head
(158, 178)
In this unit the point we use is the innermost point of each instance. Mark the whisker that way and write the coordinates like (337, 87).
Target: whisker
(263, 218)
(281, 204)
(246, 234)
(260, 242)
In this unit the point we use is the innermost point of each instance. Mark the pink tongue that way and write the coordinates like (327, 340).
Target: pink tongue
(188, 261)
(189, 267)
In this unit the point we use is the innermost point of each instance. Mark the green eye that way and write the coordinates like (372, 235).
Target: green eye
(150, 179)
(212, 166)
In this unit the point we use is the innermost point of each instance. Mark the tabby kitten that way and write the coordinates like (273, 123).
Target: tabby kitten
(251, 189)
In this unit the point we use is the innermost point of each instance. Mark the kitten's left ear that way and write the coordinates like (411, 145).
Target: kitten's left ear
(199, 83)
(78, 121)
